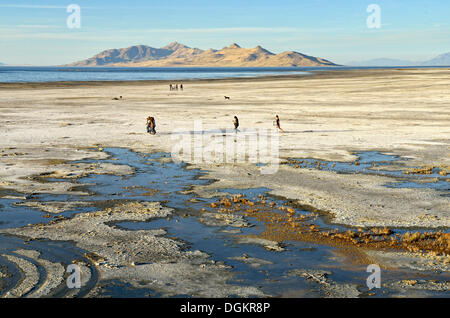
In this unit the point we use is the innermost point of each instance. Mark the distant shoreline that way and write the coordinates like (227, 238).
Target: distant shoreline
(334, 72)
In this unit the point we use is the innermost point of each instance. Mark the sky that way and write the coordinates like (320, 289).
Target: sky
(36, 32)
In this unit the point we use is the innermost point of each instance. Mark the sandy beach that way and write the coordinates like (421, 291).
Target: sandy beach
(328, 116)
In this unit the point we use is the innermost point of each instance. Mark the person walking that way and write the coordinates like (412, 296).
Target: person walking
(236, 123)
(151, 125)
(277, 123)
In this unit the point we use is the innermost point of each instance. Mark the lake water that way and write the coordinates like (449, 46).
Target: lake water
(157, 180)
(19, 74)
(9, 74)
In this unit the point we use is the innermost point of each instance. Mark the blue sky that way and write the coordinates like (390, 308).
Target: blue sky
(35, 32)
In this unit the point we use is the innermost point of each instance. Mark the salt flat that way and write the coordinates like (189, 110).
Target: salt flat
(327, 115)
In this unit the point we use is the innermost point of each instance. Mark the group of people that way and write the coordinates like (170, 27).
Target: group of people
(175, 87)
(151, 124)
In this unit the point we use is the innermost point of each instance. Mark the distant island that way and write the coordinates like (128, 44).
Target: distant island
(441, 60)
(179, 55)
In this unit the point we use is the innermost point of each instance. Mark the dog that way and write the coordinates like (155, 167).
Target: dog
(226, 97)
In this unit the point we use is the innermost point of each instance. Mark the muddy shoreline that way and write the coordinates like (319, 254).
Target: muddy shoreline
(95, 232)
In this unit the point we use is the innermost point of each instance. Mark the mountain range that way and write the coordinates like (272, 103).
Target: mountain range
(176, 54)
(441, 60)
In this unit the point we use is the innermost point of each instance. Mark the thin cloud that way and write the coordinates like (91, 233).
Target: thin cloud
(36, 6)
(31, 6)
(38, 26)
(230, 30)
(216, 30)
